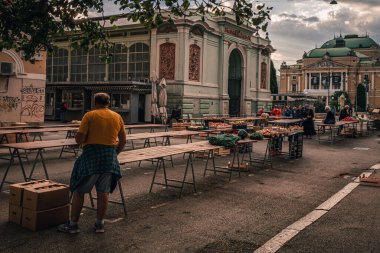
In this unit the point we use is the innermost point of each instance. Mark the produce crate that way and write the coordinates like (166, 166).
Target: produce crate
(223, 151)
(180, 126)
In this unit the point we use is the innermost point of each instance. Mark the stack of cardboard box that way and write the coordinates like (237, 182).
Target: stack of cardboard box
(39, 204)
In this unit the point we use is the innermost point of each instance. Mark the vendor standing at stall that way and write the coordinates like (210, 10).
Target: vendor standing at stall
(97, 165)
(308, 122)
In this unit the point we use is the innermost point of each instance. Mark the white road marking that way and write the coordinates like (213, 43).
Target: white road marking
(274, 244)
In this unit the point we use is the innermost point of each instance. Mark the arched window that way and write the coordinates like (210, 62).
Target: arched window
(96, 64)
(78, 65)
(263, 82)
(167, 61)
(57, 65)
(138, 66)
(117, 68)
(194, 62)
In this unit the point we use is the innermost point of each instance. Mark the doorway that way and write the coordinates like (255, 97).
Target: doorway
(141, 108)
(234, 82)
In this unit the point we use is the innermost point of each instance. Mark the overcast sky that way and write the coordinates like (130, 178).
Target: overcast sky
(299, 25)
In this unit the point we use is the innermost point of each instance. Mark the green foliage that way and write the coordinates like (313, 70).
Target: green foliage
(30, 26)
(256, 136)
(334, 103)
(242, 133)
(319, 106)
(273, 79)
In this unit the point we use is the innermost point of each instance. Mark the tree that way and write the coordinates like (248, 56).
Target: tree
(30, 25)
(273, 79)
(334, 103)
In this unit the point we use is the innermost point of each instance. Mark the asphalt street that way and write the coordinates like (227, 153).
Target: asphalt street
(239, 215)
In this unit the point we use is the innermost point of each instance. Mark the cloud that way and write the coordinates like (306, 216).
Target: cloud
(300, 25)
(311, 19)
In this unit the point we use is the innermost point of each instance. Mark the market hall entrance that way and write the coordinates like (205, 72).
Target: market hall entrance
(234, 82)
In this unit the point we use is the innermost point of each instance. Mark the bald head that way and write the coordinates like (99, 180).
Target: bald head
(102, 99)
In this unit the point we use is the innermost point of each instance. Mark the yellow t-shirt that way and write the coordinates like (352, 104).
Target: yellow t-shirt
(101, 126)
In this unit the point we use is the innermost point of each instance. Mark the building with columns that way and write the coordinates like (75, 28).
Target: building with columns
(210, 67)
(341, 64)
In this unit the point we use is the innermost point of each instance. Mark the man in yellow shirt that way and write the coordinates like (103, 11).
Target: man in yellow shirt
(97, 165)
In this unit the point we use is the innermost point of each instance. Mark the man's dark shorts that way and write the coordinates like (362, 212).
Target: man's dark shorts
(102, 183)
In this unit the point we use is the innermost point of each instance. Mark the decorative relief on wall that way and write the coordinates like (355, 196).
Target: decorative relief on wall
(8, 104)
(194, 62)
(167, 61)
(32, 102)
(263, 81)
(237, 33)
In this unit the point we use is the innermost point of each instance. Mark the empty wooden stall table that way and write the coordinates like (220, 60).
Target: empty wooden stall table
(159, 153)
(152, 127)
(166, 135)
(25, 132)
(39, 146)
(329, 132)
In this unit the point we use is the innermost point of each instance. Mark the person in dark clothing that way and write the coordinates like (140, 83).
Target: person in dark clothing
(288, 112)
(308, 122)
(299, 112)
(344, 113)
(330, 117)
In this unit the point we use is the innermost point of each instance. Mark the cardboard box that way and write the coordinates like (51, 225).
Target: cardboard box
(45, 197)
(15, 214)
(16, 190)
(36, 220)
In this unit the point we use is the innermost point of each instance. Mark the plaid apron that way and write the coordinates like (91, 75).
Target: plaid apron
(95, 159)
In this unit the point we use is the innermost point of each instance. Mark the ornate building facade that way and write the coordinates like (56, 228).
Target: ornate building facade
(345, 64)
(211, 67)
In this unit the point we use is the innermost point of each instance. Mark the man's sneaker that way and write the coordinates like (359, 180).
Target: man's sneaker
(99, 227)
(68, 228)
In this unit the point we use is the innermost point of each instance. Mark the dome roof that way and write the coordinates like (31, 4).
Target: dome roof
(334, 52)
(351, 41)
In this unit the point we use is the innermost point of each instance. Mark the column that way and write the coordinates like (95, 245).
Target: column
(346, 82)
(154, 71)
(320, 81)
(306, 79)
(299, 83)
(287, 83)
(341, 81)
(373, 81)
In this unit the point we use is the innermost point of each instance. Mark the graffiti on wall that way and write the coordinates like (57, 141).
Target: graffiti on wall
(8, 104)
(32, 102)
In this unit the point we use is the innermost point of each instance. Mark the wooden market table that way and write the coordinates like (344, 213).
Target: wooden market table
(165, 135)
(152, 127)
(332, 131)
(243, 119)
(39, 146)
(239, 150)
(285, 122)
(19, 133)
(158, 153)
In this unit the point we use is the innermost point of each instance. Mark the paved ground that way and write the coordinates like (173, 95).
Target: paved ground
(236, 216)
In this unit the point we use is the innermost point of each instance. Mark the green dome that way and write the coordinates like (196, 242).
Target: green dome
(334, 52)
(351, 41)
